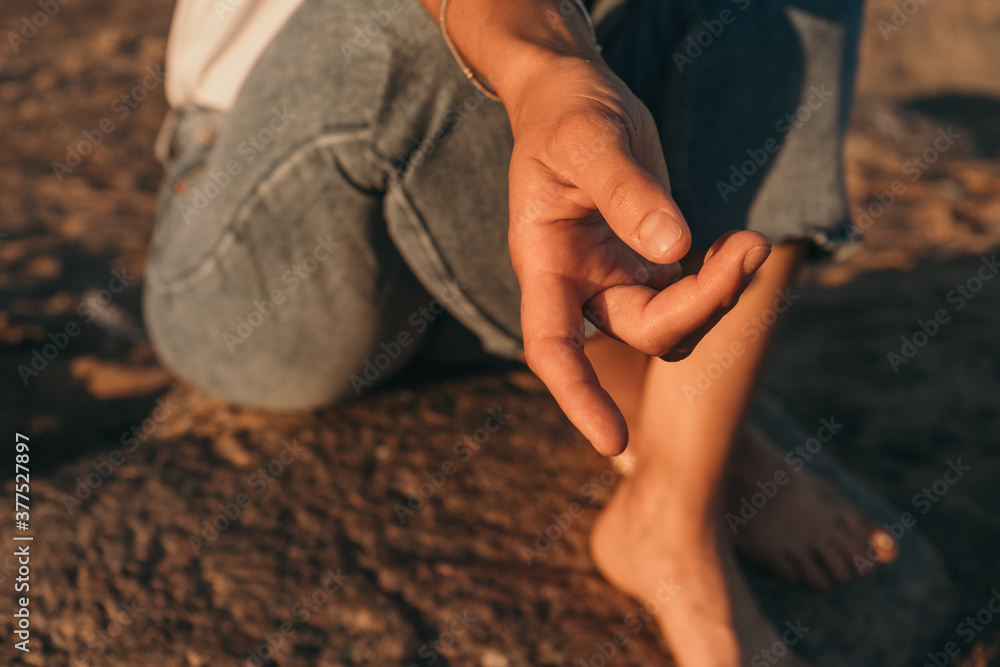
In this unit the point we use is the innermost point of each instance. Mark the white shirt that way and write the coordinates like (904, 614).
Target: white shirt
(213, 44)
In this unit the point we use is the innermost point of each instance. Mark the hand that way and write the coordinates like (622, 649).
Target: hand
(593, 227)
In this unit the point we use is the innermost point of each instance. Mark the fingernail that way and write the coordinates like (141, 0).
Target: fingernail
(658, 233)
(755, 259)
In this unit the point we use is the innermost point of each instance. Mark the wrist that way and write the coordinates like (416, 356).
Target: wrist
(550, 81)
(517, 79)
(507, 43)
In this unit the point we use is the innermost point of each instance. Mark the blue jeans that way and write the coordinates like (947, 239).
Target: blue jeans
(310, 240)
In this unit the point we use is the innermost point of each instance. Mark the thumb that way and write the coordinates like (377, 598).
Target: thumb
(637, 206)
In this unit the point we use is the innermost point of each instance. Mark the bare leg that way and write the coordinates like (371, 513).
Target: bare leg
(664, 521)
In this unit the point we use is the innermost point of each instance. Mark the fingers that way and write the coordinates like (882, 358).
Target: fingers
(553, 348)
(670, 322)
(634, 270)
(635, 201)
(661, 276)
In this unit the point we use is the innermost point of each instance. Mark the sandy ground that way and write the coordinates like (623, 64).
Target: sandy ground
(313, 557)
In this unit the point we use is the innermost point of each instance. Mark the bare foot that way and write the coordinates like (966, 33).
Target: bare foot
(794, 524)
(644, 539)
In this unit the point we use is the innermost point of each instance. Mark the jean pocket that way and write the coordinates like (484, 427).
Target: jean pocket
(184, 146)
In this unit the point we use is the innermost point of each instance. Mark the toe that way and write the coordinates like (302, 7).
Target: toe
(859, 525)
(875, 538)
(835, 560)
(885, 547)
(811, 571)
(850, 545)
(785, 569)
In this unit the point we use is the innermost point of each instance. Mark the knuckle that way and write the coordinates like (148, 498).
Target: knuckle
(650, 344)
(545, 356)
(619, 191)
(583, 136)
(645, 121)
(531, 354)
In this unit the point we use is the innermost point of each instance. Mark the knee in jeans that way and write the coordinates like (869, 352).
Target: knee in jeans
(324, 369)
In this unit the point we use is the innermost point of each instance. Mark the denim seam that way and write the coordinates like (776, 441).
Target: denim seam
(432, 266)
(242, 212)
(390, 169)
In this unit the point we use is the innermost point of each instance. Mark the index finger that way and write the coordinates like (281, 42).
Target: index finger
(552, 322)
